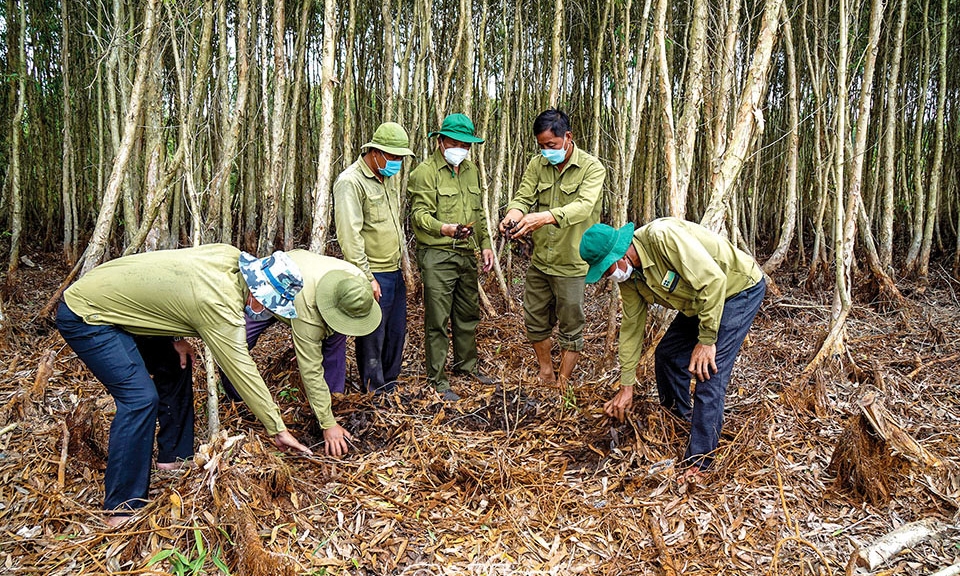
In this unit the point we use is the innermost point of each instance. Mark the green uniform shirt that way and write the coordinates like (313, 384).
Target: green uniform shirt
(189, 292)
(367, 214)
(309, 330)
(573, 197)
(440, 196)
(684, 267)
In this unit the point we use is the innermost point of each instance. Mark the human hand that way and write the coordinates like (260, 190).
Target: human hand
(532, 222)
(335, 439)
(285, 441)
(376, 289)
(513, 215)
(185, 349)
(487, 256)
(618, 406)
(703, 361)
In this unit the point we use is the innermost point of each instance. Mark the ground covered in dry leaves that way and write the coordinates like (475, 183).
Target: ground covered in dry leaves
(514, 479)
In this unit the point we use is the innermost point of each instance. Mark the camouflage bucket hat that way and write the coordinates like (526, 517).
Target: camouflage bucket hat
(274, 281)
(346, 303)
(391, 138)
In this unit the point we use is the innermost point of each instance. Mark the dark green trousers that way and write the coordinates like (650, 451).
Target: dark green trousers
(450, 294)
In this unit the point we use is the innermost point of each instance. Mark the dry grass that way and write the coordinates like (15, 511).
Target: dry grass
(514, 479)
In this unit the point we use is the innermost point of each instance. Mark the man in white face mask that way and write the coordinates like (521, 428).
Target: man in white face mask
(717, 290)
(449, 221)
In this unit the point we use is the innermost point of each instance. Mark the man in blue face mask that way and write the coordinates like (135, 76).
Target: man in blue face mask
(558, 199)
(366, 202)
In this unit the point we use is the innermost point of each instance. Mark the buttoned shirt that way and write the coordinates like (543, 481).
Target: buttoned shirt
(573, 197)
(188, 292)
(367, 214)
(439, 195)
(684, 267)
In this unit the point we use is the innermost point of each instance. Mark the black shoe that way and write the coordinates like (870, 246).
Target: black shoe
(481, 378)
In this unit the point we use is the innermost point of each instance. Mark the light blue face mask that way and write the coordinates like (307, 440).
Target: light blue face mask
(260, 316)
(555, 157)
(392, 167)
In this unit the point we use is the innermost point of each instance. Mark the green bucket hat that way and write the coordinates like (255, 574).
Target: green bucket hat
(346, 303)
(602, 245)
(458, 127)
(391, 138)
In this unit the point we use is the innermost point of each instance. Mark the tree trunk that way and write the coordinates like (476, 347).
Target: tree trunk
(793, 151)
(278, 135)
(68, 181)
(890, 139)
(101, 232)
(321, 193)
(933, 197)
(749, 119)
(555, 53)
(16, 128)
(693, 98)
(674, 205)
(919, 198)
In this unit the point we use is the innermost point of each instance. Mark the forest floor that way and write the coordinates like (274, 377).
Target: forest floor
(513, 479)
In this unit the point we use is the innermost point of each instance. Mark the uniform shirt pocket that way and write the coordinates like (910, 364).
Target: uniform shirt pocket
(375, 208)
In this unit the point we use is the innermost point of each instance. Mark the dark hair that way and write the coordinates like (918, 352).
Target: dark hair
(554, 120)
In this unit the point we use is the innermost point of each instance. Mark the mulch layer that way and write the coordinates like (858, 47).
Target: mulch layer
(516, 478)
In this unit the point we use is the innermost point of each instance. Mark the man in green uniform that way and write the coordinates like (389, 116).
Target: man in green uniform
(449, 221)
(717, 290)
(336, 302)
(366, 199)
(558, 199)
(161, 297)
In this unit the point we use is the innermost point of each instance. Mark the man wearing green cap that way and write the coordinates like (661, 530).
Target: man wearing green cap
(336, 301)
(366, 200)
(558, 198)
(449, 221)
(717, 290)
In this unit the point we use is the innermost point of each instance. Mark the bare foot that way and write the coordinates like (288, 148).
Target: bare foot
(692, 475)
(547, 377)
(116, 520)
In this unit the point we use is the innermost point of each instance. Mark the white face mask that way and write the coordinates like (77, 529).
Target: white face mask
(619, 275)
(454, 156)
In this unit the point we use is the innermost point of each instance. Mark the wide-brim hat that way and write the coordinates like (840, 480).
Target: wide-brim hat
(460, 128)
(347, 304)
(274, 281)
(391, 138)
(602, 245)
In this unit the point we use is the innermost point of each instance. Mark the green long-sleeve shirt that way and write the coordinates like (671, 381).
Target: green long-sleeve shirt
(687, 268)
(189, 292)
(309, 330)
(367, 214)
(573, 197)
(439, 196)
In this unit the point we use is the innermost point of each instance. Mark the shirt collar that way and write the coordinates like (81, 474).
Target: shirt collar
(366, 169)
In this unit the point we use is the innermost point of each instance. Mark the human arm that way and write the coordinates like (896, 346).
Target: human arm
(632, 326)
(525, 197)
(422, 187)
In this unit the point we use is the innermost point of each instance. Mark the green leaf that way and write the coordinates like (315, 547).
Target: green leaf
(161, 555)
(219, 563)
(199, 538)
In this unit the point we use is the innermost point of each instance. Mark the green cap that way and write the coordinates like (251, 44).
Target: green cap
(391, 138)
(458, 127)
(347, 304)
(602, 245)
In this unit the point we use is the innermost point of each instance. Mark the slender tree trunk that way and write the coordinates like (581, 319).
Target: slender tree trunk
(101, 232)
(16, 128)
(919, 198)
(469, 61)
(68, 182)
(278, 134)
(749, 119)
(321, 193)
(597, 83)
(793, 151)
(555, 53)
(675, 207)
(291, 195)
(388, 59)
(890, 139)
(933, 198)
(349, 95)
(693, 99)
